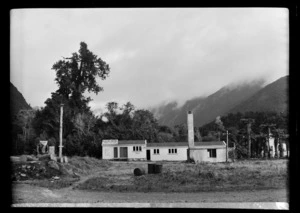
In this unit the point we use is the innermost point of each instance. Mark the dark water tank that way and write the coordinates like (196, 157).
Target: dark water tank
(138, 171)
(154, 168)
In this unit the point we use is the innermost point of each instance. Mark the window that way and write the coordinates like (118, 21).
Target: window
(212, 153)
(156, 151)
(137, 148)
(172, 151)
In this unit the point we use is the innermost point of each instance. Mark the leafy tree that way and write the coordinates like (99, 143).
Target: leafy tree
(77, 74)
(182, 133)
(238, 132)
(24, 123)
(165, 137)
(144, 125)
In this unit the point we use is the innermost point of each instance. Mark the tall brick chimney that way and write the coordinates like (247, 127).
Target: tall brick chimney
(190, 121)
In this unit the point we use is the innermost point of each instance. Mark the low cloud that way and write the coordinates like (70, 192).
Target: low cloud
(155, 54)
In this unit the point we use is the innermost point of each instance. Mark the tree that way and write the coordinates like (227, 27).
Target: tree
(84, 122)
(77, 74)
(220, 126)
(24, 121)
(74, 76)
(181, 133)
(249, 122)
(145, 126)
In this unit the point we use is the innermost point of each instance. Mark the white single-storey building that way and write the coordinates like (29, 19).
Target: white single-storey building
(213, 151)
(124, 149)
(172, 151)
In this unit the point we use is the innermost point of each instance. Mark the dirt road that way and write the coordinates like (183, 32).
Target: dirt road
(25, 193)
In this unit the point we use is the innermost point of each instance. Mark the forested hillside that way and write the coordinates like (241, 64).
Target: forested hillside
(272, 98)
(17, 101)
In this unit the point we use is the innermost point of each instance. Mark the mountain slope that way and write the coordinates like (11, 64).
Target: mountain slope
(273, 97)
(17, 101)
(206, 109)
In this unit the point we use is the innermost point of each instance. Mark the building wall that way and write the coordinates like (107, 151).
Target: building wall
(272, 147)
(202, 155)
(108, 151)
(284, 150)
(181, 154)
(136, 154)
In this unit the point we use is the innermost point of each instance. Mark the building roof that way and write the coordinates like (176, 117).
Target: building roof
(210, 143)
(167, 144)
(127, 142)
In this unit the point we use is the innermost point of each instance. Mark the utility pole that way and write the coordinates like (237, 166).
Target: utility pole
(60, 132)
(279, 135)
(249, 122)
(268, 136)
(226, 145)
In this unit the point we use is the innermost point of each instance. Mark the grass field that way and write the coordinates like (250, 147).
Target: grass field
(185, 177)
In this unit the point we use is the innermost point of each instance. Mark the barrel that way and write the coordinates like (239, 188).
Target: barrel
(138, 171)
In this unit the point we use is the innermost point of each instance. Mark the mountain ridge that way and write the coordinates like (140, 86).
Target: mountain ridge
(17, 101)
(238, 98)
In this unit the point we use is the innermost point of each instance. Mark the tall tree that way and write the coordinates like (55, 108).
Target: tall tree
(77, 74)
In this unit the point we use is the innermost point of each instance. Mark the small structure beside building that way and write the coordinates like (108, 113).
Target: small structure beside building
(214, 151)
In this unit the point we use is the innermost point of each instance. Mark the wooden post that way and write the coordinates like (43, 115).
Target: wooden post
(268, 148)
(249, 139)
(226, 145)
(60, 131)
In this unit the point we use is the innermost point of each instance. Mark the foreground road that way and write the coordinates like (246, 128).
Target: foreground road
(25, 193)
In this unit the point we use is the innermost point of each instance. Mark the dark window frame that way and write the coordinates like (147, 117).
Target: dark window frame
(212, 153)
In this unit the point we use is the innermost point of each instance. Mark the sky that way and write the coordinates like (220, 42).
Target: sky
(155, 55)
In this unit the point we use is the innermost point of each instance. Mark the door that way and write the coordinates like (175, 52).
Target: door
(115, 152)
(123, 152)
(148, 154)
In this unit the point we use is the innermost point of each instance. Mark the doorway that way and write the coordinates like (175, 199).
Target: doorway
(148, 154)
(123, 152)
(115, 152)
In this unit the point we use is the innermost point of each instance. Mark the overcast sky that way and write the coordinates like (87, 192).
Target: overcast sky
(155, 54)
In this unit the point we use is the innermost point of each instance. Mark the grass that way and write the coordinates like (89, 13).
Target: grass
(175, 176)
(57, 184)
(69, 173)
(86, 165)
(183, 177)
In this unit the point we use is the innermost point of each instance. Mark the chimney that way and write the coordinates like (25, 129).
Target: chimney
(190, 121)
